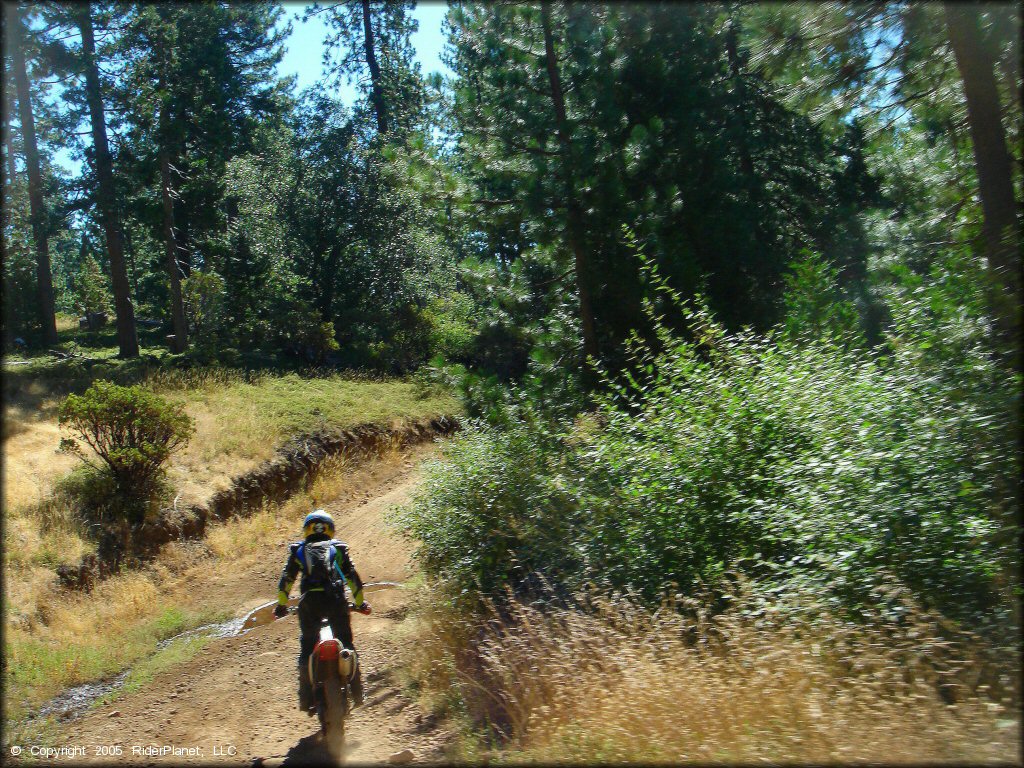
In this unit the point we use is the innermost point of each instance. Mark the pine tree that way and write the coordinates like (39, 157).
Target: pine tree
(578, 119)
(40, 225)
(922, 77)
(92, 297)
(106, 193)
(370, 43)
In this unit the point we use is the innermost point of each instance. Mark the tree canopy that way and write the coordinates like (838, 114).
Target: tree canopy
(732, 140)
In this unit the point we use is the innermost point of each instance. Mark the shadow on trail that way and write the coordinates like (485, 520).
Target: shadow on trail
(310, 751)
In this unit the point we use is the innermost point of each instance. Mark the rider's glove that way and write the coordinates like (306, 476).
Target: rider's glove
(280, 610)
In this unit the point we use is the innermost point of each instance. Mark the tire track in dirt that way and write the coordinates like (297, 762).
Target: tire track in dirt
(235, 701)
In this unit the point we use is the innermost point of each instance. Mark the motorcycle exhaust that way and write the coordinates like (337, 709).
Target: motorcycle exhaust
(348, 662)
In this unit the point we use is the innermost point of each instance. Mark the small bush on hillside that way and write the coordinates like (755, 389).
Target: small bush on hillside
(132, 431)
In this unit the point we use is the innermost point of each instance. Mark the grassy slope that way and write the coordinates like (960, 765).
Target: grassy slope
(241, 418)
(239, 424)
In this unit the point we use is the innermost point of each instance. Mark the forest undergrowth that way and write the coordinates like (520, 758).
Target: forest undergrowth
(731, 293)
(607, 680)
(790, 548)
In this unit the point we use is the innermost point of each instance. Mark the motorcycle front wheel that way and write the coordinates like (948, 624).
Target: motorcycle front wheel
(332, 718)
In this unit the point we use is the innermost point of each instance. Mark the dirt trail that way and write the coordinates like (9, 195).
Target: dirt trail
(235, 701)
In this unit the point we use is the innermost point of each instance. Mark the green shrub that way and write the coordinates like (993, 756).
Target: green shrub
(452, 325)
(499, 507)
(815, 306)
(814, 465)
(92, 490)
(132, 431)
(301, 331)
(203, 296)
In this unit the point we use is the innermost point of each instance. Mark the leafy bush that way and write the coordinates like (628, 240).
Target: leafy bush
(203, 296)
(818, 467)
(132, 431)
(452, 325)
(813, 465)
(498, 508)
(304, 334)
(815, 306)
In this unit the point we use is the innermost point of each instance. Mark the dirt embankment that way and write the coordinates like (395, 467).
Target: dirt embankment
(292, 469)
(235, 701)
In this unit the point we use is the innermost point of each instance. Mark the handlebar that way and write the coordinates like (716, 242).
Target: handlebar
(365, 611)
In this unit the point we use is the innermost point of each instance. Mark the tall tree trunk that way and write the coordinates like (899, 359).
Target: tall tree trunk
(991, 159)
(739, 112)
(133, 267)
(8, 137)
(376, 82)
(184, 238)
(575, 227)
(127, 339)
(12, 171)
(8, 141)
(733, 54)
(44, 275)
(178, 321)
(5, 119)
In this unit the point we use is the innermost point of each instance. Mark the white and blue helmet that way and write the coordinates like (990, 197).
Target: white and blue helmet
(318, 522)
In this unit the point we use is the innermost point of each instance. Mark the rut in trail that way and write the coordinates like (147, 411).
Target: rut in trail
(236, 700)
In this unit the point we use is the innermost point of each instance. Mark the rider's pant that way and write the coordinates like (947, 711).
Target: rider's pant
(313, 608)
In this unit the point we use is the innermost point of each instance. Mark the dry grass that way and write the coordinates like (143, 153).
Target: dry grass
(66, 322)
(614, 683)
(54, 639)
(51, 644)
(243, 539)
(70, 639)
(31, 462)
(240, 418)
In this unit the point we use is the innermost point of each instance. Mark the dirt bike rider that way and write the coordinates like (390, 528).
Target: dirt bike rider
(325, 567)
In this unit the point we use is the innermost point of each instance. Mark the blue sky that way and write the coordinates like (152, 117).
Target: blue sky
(304, 52)
(304, 56)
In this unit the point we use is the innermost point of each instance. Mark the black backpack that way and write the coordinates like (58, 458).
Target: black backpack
(318, 557)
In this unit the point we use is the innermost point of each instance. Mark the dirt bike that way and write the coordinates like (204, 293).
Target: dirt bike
(331, 667)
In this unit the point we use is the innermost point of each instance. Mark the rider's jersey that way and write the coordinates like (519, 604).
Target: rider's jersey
(341, 564)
